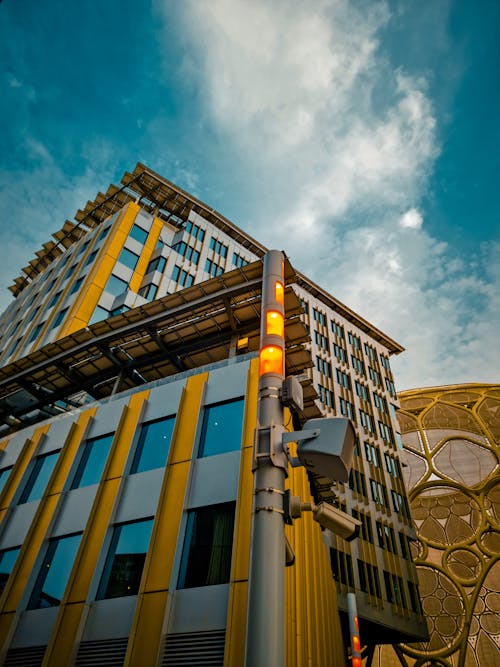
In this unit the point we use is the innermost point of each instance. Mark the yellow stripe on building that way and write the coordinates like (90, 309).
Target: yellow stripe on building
(238, 590)
(145, 635)
(149, 246)
(40, 525)
(19, 468)
(71, 611)
(92, 288)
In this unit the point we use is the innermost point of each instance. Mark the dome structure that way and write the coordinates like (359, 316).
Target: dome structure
(451, 441)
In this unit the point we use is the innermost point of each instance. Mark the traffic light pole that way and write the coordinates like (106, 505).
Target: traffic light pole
(265, 645)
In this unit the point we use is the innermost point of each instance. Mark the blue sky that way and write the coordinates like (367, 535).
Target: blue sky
(360, 137)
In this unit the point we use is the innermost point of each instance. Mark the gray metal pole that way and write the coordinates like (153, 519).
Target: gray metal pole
(265, 644)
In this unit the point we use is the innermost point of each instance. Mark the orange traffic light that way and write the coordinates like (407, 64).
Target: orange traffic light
(271, 360)
(279, 293)
(275, 323)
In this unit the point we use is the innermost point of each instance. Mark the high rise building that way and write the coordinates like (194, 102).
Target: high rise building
(128, 394)
(451, 439)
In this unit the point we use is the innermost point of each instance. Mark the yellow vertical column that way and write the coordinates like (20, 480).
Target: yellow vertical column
(313, 631)
(68, 623)
(19, 469)
(149, 246)
(145, 634)
(40, 525)
(234, 653)
(90, 293)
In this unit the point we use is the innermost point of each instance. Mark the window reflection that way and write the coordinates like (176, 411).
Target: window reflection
(4, 476)
(39, 477)
(125, 560)
(153, 445)
(93, 460)
(206, 557)
(222, 428)
(54, 573)
(7, 560)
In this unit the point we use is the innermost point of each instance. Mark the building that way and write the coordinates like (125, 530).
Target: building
(139, 324)
(451, 437)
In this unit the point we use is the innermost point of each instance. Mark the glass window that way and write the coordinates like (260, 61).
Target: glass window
(99, 314)
(36, 331)
(39, 477)
(149, 291)
(115, 285)
(128, 258)
(222, 428)
(77, 285)
(139, 234)
(55, 571)
(91, 257)
(70, 271)
(4, 475)
(125, 560)
(60, 317)
(157, 264)
(206, 556)
(153, 445)
(118, 311)
(7, 560)
(54, 299)
(104, 232)
(84, 246)
(32, 314)
(94, 457)
(15, 346)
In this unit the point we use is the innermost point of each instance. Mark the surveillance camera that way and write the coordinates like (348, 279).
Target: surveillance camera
(338, 522)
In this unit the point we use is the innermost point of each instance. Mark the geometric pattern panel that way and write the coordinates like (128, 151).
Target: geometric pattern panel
(465, 462)
(454, 490)
(489, 411)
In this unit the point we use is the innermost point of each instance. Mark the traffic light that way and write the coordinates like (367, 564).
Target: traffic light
(354, 630)
(272, 351)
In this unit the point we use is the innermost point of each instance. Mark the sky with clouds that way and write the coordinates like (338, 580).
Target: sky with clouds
(360, 136)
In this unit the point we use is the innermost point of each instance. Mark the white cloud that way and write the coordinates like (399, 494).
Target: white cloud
(42, 198)
(12, 81)
(412, 219)
(340, 143)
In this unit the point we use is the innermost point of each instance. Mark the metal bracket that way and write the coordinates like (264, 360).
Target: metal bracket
(268, 447)
(298, 436)
(269, 489)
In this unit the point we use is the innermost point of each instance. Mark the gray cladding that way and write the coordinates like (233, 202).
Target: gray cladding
(214, 479)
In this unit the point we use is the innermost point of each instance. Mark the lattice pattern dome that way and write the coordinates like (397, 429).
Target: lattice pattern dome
(451, 436)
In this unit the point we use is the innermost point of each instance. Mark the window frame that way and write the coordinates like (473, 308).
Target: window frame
(109, 561)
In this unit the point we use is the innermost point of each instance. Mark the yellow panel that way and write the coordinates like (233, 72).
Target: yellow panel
(145, 636)
(149, 246)
(92, 288)
(27, 556)
(238, 590)
(71, 610)
(43, 519)
(20, 466)
(234, 651)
